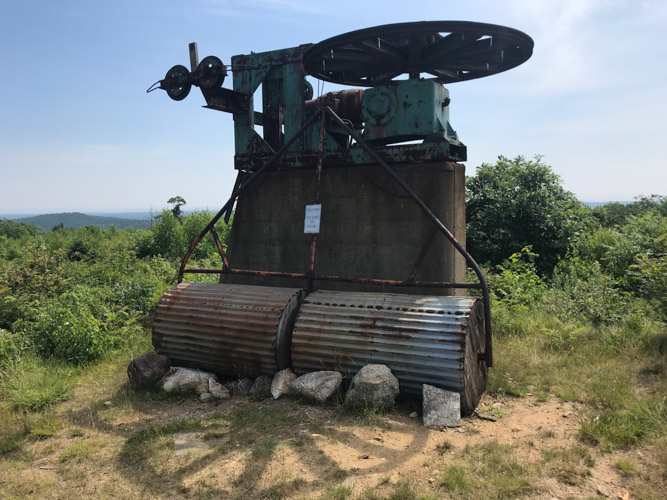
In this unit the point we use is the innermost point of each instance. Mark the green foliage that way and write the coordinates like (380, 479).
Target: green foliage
(177, 203)
(519, 203)
(17, 230)
(8, 348)
(66, 328)
(618, 214)
(516, 282)
(171, 236)
(32, 385)
(74, 220)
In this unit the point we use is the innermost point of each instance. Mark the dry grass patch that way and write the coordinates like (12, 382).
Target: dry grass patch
(570, 465)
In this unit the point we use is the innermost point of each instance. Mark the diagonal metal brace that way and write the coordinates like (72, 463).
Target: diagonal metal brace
(488, 352)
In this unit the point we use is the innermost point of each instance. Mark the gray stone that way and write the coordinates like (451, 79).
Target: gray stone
(441, 408)
(282, 382)
(205, 397)
(202, 388)
(261, 388)
(373, 386)
(414, 414)
(319, 386)
(239, 387)
(147, 370)
(184, 379)
(217, 390)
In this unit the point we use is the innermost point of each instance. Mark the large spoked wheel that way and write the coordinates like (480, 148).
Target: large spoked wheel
(451, 51)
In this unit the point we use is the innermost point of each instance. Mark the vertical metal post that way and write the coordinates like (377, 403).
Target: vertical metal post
(318, 182)
(194, 56)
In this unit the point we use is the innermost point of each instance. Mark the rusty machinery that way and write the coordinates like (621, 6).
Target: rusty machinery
(348, 240)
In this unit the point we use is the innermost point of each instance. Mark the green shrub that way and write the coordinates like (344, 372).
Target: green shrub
(8, 348)
(584, 292)
(67, 329)
(517, 203)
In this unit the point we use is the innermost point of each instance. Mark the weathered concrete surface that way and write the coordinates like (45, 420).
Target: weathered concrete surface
(373, 386)
(441, 408)
(319, 386)
(282, 383)
(147, 370)
(181, 379)
(365, 232)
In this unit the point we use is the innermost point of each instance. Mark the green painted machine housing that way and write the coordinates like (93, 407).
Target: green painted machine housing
(420, 110)
(412, 109)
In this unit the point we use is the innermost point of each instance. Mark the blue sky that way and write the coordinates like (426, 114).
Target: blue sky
(79, 133)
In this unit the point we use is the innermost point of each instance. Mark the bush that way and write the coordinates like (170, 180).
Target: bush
(518, 203)
(8, 348)
(171, 236)
(67, 329)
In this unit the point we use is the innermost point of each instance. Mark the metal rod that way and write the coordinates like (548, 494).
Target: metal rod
(422, 254)
(324, 277)
(221, 251)
(488, 351)
(243, 187)
(318, 182)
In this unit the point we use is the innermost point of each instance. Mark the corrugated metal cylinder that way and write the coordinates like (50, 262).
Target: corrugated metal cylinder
(238, 330)
(422, 339)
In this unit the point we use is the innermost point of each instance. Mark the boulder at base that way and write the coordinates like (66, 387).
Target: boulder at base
(184, 380)
(239, 387)
(282, 383)
(319, 386)
(441, 408)
(147, 370)
(373, 386)
(261, 388)
(217, 390)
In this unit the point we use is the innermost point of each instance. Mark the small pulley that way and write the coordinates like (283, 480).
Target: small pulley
(210, 74)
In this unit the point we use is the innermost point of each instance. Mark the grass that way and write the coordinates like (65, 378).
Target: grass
(627, 467)
(570, 465)
(489, 470)
(337, 493)
(82, 450)
(444, 447)
(32, 385)
(602, 367)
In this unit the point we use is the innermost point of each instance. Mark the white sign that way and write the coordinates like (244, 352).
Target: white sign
(312, 223)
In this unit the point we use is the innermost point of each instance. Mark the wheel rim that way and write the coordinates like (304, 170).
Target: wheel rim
(450, 51)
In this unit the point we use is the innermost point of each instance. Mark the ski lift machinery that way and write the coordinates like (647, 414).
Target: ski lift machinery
(347, 245)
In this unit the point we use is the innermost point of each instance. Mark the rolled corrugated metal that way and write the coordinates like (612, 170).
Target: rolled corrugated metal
(422, 339)
(238, 330)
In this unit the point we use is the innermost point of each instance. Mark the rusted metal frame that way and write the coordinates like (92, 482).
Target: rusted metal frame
(243, 187)
(324, 277)
(422, 254)
(318, 182)
(221, 251)
(487, 356)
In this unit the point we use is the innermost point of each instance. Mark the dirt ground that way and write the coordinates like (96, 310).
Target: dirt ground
(243, 448)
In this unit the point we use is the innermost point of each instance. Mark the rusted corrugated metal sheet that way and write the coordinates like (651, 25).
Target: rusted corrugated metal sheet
(421, 339)
(228, 329)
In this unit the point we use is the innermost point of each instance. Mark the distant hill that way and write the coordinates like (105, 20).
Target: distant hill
(76, 219)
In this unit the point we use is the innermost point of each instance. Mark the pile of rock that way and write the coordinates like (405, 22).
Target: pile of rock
(374, 386)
